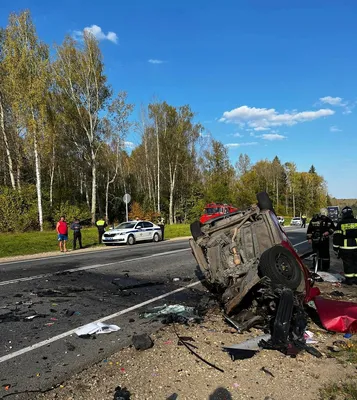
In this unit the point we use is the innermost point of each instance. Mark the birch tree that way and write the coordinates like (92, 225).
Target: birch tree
(26, 64)
(79, 72)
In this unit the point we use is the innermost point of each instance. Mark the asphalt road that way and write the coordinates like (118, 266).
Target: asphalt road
(43, 301)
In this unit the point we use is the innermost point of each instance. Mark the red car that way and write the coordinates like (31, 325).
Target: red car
(249, 261)
(214, 210)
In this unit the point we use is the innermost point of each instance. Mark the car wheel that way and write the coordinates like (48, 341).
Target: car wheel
(278, 264)
(264, 202)
(130, 240)
(156, 237)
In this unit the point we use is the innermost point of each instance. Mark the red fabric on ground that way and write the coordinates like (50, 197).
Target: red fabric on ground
(337, 316)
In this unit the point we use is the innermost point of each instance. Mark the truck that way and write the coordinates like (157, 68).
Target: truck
(213, 210)
(333, 213)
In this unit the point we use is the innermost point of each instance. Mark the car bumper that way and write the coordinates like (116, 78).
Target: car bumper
(114, 240)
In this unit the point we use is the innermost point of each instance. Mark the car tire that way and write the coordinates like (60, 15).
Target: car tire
(278, 264)
(264, 202)
(131, 240)
(156, 237)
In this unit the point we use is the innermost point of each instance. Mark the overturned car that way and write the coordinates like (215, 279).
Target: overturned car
(249, 262)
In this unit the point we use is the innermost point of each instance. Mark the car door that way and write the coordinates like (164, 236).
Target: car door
(140, 234)
(149, 230)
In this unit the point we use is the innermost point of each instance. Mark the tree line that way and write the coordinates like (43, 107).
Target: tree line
(63, 132)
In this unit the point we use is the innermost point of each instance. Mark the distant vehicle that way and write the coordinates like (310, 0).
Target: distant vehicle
(296, 221)
(213, 210)
(132, 232)
(333, 213)
(281, 220)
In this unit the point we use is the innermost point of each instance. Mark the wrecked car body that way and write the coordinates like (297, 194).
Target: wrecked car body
(248, 260)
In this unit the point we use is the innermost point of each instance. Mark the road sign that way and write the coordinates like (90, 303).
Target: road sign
(126, 198)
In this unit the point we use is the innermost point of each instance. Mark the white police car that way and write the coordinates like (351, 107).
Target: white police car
(131, 232)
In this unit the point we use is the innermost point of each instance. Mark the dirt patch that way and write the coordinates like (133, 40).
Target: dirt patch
(170, 371)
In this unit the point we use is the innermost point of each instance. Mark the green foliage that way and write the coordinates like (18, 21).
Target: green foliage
(71, 211)
(18, 210)
(16, 244)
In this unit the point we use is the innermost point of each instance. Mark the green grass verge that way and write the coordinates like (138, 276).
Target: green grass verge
(178, 230)
(16, 244)
(339, 391)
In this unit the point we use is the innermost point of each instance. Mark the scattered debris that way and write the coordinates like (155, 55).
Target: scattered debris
(331, 277)
(348, 335)
(172, 313)
(70, 346)
(176, 279)
(127, 283)
(337, 293)
(142, 342)
(245, 349)
(337, 316)
(267, 372)
(96, 328)
(121, 394)
(187, 345)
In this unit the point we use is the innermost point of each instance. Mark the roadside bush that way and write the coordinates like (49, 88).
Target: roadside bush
(71, 211)
(18, 210)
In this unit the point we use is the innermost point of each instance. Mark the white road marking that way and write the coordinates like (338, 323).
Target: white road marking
(298, 244)
(108, 317)
(67, 255)
(88, 267)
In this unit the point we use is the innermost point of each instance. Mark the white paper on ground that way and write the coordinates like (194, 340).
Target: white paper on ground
(329, 277)
(96, 328)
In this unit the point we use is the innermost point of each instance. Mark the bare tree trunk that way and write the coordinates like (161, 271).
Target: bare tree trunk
(107, 195)
(52, 175)
(158, 165)
(293, 203)
(172, 188)
(38, 182)
(94, 188)
(7, 147)
(277, 194)
(87, 195)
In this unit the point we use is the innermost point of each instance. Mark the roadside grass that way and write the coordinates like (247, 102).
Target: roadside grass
(348, 354)
(342, 390)
(17, 244)
(339, 391)
(177, 230)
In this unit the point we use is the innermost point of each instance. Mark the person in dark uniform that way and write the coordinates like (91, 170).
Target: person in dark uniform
(77, 234)
(318, 232)
(303, 225)
(345, 244)
(101, 225)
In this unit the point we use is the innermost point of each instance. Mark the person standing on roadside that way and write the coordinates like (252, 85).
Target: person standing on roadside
(77, 234)
(345, 244)
(303, 225)
(101, 225)
(319, 231)
(62, 232)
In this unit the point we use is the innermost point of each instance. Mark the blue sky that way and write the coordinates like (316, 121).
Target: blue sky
(266, 78)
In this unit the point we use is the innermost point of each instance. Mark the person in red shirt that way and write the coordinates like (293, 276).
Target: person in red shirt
(62, 231)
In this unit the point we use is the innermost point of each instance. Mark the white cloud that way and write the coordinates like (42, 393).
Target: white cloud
(241, 144)
(333, 101)
(97, 32)
(261, 128)
(154, 61)
(272, 136)
(129, 145)
(238, 134)
(264, 118)
(335, 129)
